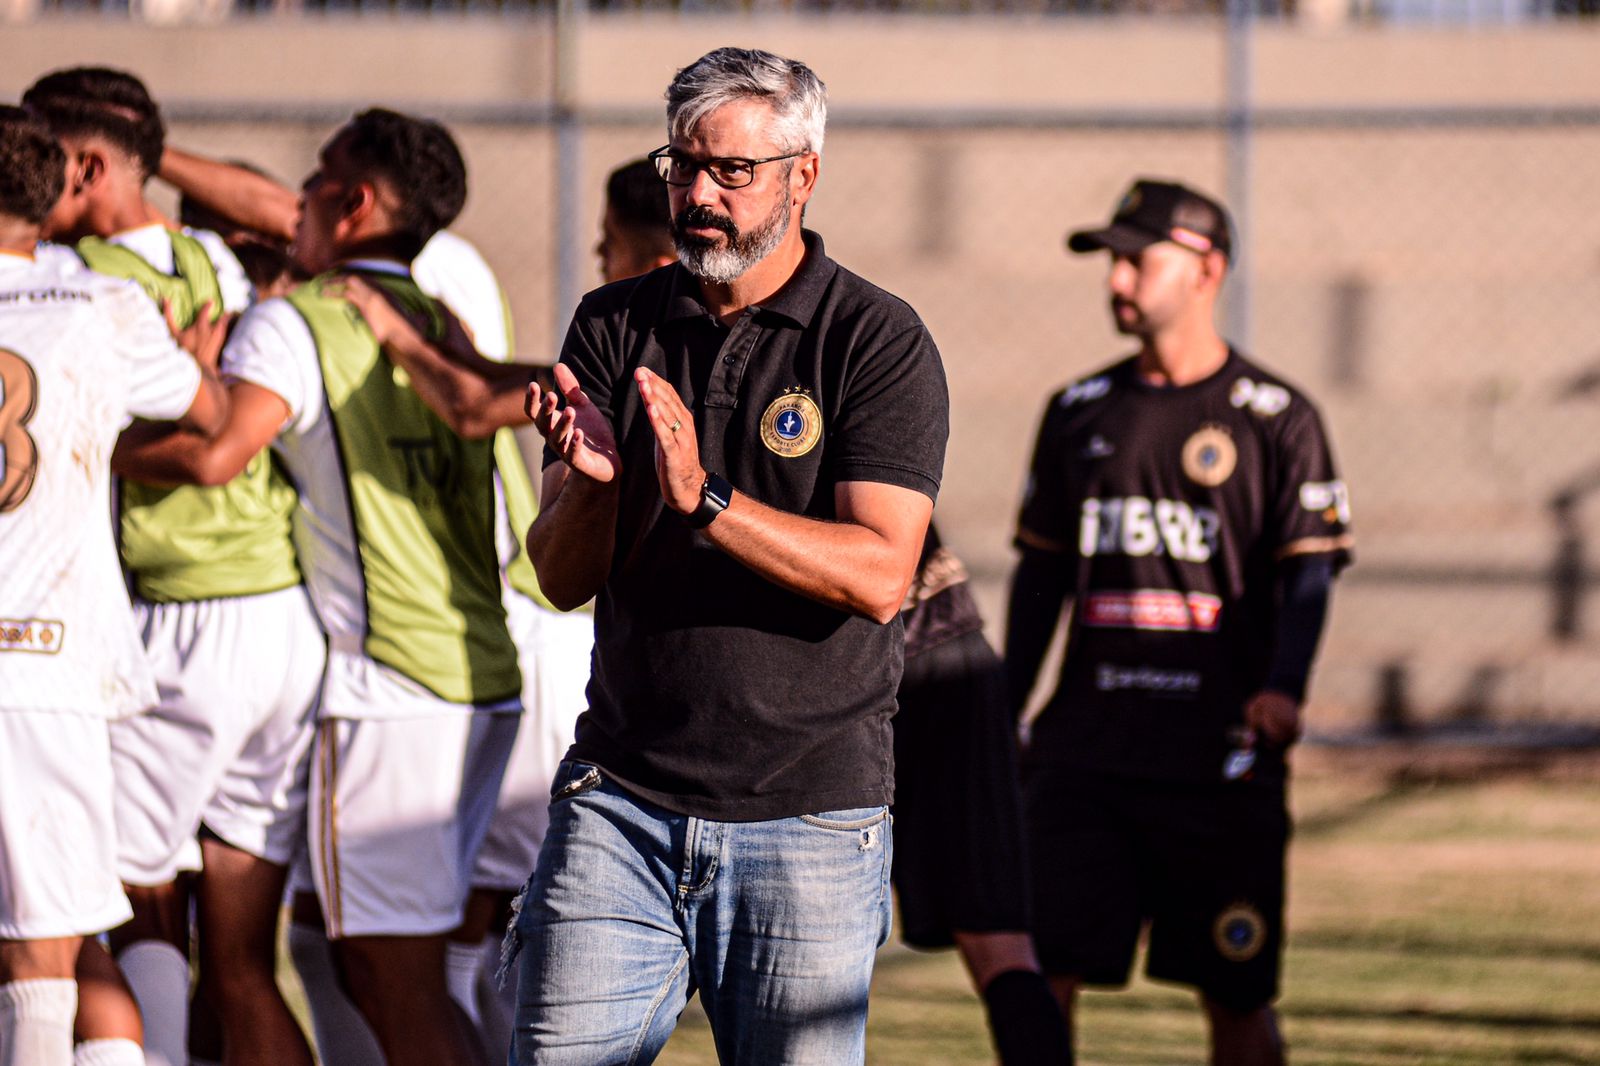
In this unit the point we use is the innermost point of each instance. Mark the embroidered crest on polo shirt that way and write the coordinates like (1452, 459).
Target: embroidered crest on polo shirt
(792, 424)
(1209, 456)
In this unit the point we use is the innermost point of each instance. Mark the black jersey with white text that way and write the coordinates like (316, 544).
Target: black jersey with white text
(1176, 505)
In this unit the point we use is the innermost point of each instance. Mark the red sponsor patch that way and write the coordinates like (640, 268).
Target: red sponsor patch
(1153, 609)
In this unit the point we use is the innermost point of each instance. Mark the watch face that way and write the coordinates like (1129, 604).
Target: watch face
(714, 497)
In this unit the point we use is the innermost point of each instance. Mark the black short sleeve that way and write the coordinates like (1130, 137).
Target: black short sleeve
(1047, 521)
(896, 415)
(1311, 505)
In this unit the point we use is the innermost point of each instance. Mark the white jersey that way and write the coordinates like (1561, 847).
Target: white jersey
(272, 347)
(152, 244)
(453, 272)
(80, 355)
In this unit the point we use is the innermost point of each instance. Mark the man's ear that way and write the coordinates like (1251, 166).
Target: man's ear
(803, 177)
(360, 202)
(1215, 269)
(88, 171)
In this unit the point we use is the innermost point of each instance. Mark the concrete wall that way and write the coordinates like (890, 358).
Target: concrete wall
(1434, 285)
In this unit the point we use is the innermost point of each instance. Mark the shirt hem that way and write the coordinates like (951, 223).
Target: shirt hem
(750, 810)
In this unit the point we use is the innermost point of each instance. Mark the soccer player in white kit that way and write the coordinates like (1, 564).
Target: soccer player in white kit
(552, 647)
(80, 355)
(421, 695)
(226, 622)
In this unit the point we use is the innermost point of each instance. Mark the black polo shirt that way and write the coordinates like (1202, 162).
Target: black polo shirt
(715, 692)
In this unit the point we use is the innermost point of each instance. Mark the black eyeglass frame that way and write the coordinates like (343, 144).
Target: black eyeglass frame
(663, 158)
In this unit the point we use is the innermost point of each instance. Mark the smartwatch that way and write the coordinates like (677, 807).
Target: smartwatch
(715, 495)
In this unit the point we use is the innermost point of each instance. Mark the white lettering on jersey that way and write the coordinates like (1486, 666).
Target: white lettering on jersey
(1137, 526)
(1109, 677)
(1265, 400)
(1325, 496)
(1084, 391)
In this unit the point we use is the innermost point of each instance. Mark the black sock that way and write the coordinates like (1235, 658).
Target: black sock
(1025, 1020)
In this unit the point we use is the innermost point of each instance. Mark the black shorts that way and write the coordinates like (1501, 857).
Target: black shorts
(958, 853)
(1203, 864)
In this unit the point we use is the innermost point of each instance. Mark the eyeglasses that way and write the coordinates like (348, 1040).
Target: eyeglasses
(730, 172)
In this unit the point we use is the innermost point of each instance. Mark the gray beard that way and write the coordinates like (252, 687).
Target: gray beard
(723, 263)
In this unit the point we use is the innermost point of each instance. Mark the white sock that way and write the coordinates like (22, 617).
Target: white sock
(118, 1052)
(158, 973)
(461, 962)
(36, 1022)
(343, 1036)
(496, 1006)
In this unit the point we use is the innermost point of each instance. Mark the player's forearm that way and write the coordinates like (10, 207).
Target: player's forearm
(1305, 584)
(208, 414)
(1038, 596)
(572, 541)
(844, 565)
(162, 453)
(251, 200)
(473, 400)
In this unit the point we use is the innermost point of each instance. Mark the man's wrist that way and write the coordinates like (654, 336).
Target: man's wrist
(715, 495)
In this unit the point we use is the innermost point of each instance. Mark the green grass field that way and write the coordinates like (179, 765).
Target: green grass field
(1442, 911)
(1444, 915)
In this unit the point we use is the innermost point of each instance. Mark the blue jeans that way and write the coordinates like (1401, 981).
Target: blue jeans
(632, 909)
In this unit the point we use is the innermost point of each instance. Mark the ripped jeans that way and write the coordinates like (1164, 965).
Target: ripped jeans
(632, 909)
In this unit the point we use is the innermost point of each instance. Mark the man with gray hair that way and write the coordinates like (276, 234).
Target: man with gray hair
(741, 461)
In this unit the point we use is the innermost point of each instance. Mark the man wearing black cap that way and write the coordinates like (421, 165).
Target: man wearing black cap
(1184, 503)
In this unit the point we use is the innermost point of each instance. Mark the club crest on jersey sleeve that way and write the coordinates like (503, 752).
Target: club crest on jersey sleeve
(791, 424)
(1331, 498)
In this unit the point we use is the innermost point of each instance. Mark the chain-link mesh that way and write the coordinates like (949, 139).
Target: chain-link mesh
(1432, 279)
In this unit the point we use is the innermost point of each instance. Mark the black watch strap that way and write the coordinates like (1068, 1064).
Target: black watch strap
(715, 495)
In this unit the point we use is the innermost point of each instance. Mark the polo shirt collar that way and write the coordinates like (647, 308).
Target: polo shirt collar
(797, 301)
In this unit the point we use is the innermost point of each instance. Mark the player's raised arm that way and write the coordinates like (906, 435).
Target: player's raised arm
(251, 200)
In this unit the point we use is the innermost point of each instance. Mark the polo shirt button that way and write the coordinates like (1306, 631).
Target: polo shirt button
(728, 360)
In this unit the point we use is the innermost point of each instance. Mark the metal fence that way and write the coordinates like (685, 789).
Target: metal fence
(1431, 277)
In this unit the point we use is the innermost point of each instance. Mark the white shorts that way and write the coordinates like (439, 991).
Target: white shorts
(227, 744)
(553, 650)
(58, 845)
(399, 807)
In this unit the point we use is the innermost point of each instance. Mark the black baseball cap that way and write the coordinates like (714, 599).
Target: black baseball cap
(1152, 211)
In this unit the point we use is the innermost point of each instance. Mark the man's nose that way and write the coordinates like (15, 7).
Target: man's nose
(702, 190)
(1120, 280)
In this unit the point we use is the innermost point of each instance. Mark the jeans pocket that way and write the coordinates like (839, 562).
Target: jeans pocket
(847, 820)
(574, 779)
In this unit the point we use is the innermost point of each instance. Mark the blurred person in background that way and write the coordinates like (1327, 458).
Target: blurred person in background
(1184, 504)
(960, 872)
(423, 691)
(742, 473)
(224, 616)
(636, 225)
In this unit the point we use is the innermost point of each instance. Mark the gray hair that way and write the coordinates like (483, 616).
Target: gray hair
(798, 98)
